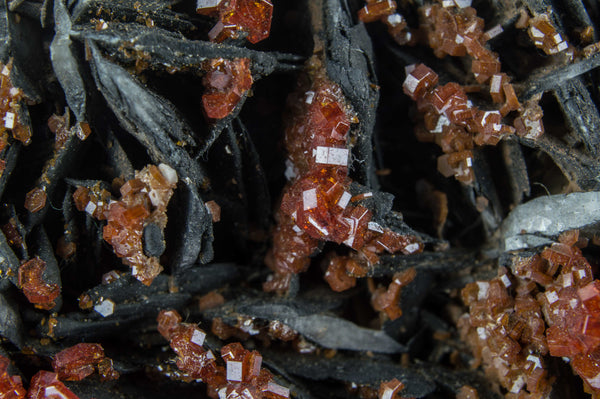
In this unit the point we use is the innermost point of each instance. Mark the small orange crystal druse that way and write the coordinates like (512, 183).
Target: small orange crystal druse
(31, 280)
(226, 82)
(144, 201)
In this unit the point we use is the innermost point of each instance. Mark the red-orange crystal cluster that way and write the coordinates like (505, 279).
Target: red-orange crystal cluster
(548, 304)
(238, 18)
(226, 82)
(242, 375)
(144, 200)
(385, 11)
(317, 204)
(37, 290)
(11, 386)
(79, 361)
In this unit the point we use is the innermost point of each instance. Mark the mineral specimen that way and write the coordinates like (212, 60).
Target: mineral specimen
(317, 204)
(547, 304)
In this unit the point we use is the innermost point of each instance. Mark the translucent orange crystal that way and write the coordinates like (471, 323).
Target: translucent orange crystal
(31, 280)
(226, 81)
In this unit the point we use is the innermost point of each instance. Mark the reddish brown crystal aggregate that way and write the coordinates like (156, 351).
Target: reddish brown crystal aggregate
(79, 361)
(31, 280)
(226, 82)
(11, 387)
(144, 200)
(242, 375)
(237, 18)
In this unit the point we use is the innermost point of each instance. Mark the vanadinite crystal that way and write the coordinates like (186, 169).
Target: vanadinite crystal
(79, 361)
(35, 200)
(144, 201)
(238, 18)
(11, 387)
(242, 376)
(318, 204)
(46, 385)
(226, 82)
(31, 280)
